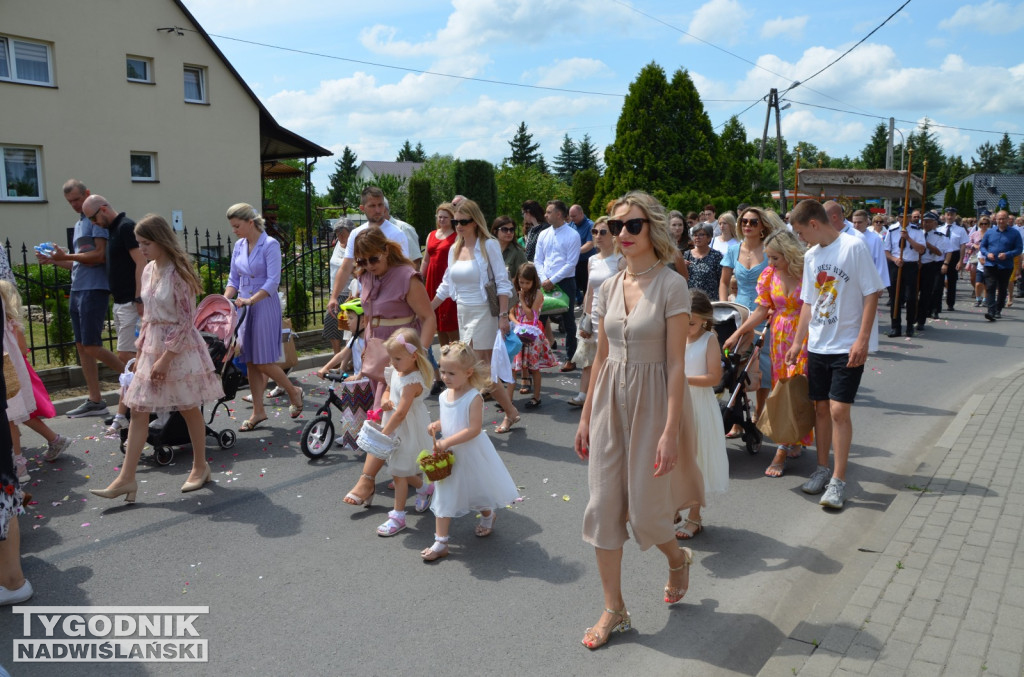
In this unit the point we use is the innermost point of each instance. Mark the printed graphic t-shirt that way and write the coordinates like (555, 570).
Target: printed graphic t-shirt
(836, 279)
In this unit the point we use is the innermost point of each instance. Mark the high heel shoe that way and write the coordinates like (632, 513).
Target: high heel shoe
(673, 595)
(128, 491)
(595, 640)
(353, 499)
(198, 484)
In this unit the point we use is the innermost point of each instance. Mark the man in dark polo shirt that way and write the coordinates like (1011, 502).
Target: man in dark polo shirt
(124, 275)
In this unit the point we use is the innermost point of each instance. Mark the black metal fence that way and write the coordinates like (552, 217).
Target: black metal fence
(305, 286)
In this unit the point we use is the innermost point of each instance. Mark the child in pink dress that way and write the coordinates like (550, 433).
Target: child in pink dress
(536, 354)
(173, 370)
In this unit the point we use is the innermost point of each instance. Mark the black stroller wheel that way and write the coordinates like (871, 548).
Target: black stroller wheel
(226, 438)
(752, 437)
(163, 455)
(317, 436)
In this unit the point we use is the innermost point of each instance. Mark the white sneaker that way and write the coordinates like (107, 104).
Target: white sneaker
(15, 596)
(835, 494)
(56, 448)
(21, 468)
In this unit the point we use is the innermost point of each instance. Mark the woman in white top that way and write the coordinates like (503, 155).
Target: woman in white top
(342, 228)
(600, 267)
(474, 253)
(727, 222)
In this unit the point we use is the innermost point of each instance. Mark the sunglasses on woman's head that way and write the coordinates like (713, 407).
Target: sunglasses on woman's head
(461, 222)
(595, 231)
(373, 260)
(634, 226)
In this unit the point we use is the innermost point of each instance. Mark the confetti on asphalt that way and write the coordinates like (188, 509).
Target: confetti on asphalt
(85, 524)
(565, 497)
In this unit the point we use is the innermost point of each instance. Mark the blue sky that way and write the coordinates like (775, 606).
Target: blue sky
(960, 64)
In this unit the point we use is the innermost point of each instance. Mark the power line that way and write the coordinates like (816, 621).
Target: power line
(837, 59)
(909, 122)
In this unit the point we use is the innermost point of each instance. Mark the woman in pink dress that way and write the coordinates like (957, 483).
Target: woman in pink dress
(778, 294)
(173, 370)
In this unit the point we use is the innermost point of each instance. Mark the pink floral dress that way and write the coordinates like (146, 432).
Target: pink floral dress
(168, 326)
(785, 317)
(536, 354)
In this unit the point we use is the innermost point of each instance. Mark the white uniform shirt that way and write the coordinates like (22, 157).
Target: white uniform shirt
(915, 233)
(938, 240)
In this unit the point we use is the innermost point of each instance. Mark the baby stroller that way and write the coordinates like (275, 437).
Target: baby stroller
(218, 324)
(732, 390)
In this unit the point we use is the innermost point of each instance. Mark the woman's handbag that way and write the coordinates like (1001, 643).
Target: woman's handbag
(11, 377)
(491, 288)
(375, 356)
(788, 412)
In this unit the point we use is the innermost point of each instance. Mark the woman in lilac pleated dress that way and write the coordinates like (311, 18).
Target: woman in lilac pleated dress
(253, 282)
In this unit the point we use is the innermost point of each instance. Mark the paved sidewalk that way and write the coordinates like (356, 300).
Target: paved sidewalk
(945, 596)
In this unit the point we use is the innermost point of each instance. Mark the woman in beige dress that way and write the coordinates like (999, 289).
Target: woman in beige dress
(636, 428)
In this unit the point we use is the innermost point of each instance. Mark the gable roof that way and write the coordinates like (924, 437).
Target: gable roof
(989, 187)
(403, 170)
(276, 142)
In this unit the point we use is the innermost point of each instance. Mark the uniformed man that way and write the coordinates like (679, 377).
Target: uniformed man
(957, 236)
(932, 268)
(905, 249)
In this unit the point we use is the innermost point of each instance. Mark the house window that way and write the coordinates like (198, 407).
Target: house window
(195, 84)
(25, 61)
(20, 172)
(140, 69)
(143, 166)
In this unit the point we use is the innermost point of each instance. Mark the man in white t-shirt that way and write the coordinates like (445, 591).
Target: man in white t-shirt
(372, 205)
(411, 236)
(840, 291)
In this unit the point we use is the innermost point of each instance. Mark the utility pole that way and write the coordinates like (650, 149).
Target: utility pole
(773, 102)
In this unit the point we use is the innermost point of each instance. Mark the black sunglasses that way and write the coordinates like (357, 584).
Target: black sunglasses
(461, 222)
(750, 222)
(634, 226)
(373, 260)
(595, 232)
(506, 229)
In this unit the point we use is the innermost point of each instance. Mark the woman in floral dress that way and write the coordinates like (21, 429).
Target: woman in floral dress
(778, 293)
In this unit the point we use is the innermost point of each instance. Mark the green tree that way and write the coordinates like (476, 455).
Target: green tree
(395, 191)
(584, 184)
(409, 154)
(926, 147)
(873, 154)
(440, 170)
(663, 138)
(518, 183)
(287, 197)
(949, 199)
(421, 206)
(1006, 154)
(475, 179)
(737, 159)
(567, 161)
(987, 161)
(587, 155)
(344, 175)
(969, 208)
(524, 150)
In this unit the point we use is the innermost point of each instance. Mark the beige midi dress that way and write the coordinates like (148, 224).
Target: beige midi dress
(628, 417)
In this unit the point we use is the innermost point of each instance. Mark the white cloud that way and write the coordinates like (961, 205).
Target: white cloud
(996, 18)
(717, 21)
(953, 141)
(567, 71)
(803, 125)
(792, 28)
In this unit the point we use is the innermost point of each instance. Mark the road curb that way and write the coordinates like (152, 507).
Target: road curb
(791, 654)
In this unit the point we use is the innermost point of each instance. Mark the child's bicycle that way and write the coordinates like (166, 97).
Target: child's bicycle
(355, 400)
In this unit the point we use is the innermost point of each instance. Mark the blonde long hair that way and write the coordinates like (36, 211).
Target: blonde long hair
(155, 228)
(470, 207)
(657, 223)
(12, 302)
(462, 355)
(787, 244)
(410, 337)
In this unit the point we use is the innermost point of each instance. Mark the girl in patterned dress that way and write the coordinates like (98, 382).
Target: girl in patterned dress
(405, 416)
(778, 293)
(536, 354)
(173, 369)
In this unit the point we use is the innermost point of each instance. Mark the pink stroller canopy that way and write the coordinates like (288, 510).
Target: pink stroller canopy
(216, 315)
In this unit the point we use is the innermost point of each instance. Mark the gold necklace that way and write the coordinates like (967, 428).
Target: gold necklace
(636, 275)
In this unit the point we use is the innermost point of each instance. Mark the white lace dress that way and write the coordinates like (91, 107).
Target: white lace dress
(413, 430)
(479, 479)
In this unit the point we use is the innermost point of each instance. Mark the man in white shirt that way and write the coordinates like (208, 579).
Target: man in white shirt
(558, 251)
(372, 205)
(933, 268)
(905, 249)
(873, 240)
(958, 239)
(411, 236)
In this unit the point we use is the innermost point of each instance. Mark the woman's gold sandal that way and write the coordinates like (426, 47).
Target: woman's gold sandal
(673, 595)
(595, 640)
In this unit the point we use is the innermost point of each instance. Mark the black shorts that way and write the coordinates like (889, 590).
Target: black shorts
(828, 378)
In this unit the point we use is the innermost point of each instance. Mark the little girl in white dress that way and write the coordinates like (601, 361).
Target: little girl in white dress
(479, 479)
(703, 372)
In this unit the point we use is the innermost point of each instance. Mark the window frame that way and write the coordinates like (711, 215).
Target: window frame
(203, 84)
(153, 177)
(40, 184)
(148, 61)
(12, 62)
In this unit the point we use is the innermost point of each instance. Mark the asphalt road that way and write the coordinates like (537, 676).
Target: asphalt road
(298, 583)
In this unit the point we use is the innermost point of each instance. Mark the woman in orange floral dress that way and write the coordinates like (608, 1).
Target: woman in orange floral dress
(778, 294)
